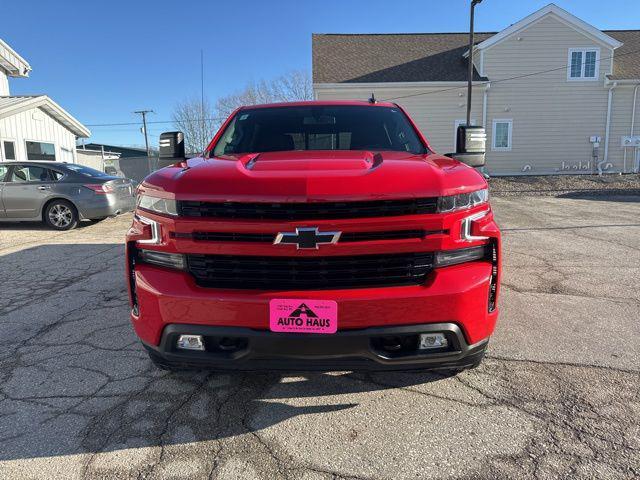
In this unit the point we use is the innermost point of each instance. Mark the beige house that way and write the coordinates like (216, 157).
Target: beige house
(555, 94)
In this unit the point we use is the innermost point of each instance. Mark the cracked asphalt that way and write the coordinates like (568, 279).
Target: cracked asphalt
(557, 396)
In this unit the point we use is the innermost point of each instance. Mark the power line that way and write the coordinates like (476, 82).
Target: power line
(541, 72)
(150, 122)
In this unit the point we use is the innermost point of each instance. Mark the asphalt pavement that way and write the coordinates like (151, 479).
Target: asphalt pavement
(558, 394)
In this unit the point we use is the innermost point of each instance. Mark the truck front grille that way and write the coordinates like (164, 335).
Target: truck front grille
(309, 273)
(307, 211)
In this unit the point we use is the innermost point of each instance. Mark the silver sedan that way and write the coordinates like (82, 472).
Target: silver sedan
(61, 194)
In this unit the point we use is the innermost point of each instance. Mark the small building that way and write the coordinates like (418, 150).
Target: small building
(98, 159)
(555, 94)
(124, 152)
(33, 127)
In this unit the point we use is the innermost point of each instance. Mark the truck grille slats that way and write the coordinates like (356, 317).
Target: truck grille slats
(233, 237)
(303, 273)
(270, 237)
(307, 211)
(392, 235)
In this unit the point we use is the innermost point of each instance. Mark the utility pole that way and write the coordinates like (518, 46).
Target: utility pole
(146, 136)
(202, 124)
(144, 126)
(470, 74)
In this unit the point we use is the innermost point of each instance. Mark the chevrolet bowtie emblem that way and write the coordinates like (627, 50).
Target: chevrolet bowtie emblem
(306, 238)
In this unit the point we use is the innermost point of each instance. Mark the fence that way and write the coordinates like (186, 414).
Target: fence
(135, 168)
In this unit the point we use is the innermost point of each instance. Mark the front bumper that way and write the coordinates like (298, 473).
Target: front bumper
(166, 301)
(362, 349)
(458, 294)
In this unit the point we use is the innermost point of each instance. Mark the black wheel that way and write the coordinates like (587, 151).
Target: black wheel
(61, 215)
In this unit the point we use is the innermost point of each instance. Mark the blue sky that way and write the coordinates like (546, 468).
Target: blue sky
(103, 59)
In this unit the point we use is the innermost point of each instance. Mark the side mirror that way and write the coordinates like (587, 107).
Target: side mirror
(470, 145)
(171, 146)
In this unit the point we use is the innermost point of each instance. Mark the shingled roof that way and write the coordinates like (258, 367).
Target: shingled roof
(626, 59)
(421, 57)
(424, 57)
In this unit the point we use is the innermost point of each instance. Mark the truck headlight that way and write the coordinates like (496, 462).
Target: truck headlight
(162, 259)
(446, 258)
(462, 201)
(163, 206)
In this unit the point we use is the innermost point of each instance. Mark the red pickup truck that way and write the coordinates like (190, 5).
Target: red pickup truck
(314, 235)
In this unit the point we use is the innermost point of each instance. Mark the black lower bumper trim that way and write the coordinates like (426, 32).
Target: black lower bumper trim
(231, 348)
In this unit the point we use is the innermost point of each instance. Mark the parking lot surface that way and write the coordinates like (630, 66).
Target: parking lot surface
(557, 396)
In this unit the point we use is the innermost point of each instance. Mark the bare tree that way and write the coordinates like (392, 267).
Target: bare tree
(196, 121)
(188, 115)
(294, 85)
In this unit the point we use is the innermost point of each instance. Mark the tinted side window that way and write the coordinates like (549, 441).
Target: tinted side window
(86, 171)
(22, 174)
(3, 172)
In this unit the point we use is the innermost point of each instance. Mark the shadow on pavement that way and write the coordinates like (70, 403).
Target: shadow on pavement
(614, 195)
(41, 225)
(74, 379)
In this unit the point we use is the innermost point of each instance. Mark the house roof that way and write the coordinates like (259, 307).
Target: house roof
(14, 64)
(626, 59)
(426, 57)
(120, 150)
(91, 152)
(413, 57)
(12, 105)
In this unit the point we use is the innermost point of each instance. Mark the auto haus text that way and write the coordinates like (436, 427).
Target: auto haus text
(304, 322)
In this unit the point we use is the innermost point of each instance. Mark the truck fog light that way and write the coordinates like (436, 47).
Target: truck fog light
(432, 340)
(445, 258)
(190, 342)
(162, 259)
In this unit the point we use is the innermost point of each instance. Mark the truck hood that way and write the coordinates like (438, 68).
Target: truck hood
(301, 176)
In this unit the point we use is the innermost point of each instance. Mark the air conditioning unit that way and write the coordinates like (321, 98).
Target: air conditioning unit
(629, 141)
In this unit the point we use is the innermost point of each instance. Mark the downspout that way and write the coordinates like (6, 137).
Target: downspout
(633, 109)
(484, 104)
(485, 95)
(606, 130)
(633, 118)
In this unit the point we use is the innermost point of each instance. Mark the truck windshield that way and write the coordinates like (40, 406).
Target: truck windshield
(330, 127)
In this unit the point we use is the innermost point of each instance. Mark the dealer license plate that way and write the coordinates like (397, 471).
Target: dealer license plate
(295, 315)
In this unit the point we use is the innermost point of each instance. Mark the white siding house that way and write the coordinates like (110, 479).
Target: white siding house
(555, 94)
(33, 127)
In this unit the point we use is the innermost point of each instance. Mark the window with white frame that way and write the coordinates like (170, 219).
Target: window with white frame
(583, 63)
(502, 134)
